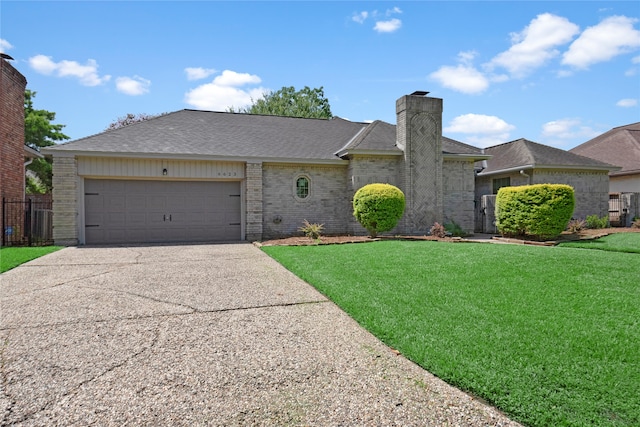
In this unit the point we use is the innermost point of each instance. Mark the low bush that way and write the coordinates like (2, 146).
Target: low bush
(454, 229)
(378, 207)
(542, 211)
(312, 231)
(635, 223)
(595, 222)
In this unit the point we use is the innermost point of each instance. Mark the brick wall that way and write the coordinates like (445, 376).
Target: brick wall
(12, 87)
(419, 135)
(65, 201)
(458, 193)
(254, 200)
(591, 189)
(328, 202)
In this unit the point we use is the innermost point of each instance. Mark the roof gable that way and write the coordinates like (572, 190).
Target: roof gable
(525, 154)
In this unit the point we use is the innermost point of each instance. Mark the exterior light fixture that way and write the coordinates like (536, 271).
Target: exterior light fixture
(164, 171)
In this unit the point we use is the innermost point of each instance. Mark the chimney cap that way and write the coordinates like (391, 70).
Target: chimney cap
(419, 93)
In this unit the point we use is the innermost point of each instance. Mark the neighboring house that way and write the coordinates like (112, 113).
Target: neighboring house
(211, 176)
(524, 162)
(621, 147)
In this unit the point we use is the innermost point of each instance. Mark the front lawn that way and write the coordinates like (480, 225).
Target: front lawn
(618, 242)
(550, 335)
(13, 256)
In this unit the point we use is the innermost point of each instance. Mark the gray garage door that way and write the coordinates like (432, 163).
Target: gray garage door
(122, 211)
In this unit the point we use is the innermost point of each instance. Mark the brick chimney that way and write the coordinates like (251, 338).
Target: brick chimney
(419, 135)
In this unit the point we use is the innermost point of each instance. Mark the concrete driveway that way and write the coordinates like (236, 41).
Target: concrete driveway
(199, 335)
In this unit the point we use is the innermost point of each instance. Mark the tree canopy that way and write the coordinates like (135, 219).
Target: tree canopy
(39, 131)
(307, 103)
(130, 119)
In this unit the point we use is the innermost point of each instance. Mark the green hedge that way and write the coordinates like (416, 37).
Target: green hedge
(541, 211)
(378, 207)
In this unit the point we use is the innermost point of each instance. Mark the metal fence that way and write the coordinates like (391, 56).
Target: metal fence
(27, 223)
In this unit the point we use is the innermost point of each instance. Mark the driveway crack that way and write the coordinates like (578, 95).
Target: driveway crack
(76, 389)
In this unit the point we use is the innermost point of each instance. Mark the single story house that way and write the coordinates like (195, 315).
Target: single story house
(621, 147)
(193, 176)
(524, 162)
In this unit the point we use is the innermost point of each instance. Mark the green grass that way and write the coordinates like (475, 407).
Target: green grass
(618, 242)
(13, 256)
(549, 335)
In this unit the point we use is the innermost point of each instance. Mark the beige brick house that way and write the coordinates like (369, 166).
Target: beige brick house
(210, 176)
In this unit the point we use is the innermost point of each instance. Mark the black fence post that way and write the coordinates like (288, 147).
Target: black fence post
(27, 221)
(4, 225)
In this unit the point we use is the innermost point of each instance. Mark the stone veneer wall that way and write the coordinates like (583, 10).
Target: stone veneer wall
(65, 201)
(328, 202)
(253, 201)
(458, 189)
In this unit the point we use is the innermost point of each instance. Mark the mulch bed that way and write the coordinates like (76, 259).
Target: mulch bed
(332, 240)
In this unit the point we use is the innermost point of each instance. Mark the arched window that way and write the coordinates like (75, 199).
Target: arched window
(302, 187)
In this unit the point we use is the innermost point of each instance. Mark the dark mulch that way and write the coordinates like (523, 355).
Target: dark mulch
(328, 240)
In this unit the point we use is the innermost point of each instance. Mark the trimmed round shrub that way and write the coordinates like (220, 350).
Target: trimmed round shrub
(542, 211)
(378, 207)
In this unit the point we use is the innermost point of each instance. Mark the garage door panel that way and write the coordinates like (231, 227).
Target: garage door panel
(120, 211)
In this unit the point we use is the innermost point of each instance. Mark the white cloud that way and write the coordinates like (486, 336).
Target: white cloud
(226, 91)
(560, 132)
(5, 45)
(87, 74)
(481, 130)
(627, 102)
(535, 45)
(388, 26)
(461, 78)
(360, 17)
(635, 60)
(382, 25)
(197, 73)
(133, 86)
(611, 37)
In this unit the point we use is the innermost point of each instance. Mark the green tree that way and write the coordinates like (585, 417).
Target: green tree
(39, 131)
(308, 103)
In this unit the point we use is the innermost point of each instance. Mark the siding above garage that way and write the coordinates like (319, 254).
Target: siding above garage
(153, 168)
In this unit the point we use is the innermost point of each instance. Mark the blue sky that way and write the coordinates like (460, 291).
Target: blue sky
(558, 73)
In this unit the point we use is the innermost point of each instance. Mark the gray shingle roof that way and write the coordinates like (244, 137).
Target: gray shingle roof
(523, 153)
(620, 146)
(194, 133)
(204, 133)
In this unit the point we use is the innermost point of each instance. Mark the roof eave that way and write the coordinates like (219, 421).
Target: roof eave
(362, 152)
(465, 156)
(201, 157)
(32, 153)
(603, 168)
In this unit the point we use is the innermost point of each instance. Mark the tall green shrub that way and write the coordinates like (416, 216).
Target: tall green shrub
(541, 211)
(378, 207)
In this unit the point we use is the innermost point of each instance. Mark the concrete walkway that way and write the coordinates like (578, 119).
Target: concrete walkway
(199, 335)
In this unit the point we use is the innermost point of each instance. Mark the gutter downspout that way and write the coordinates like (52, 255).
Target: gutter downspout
(522, 172)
